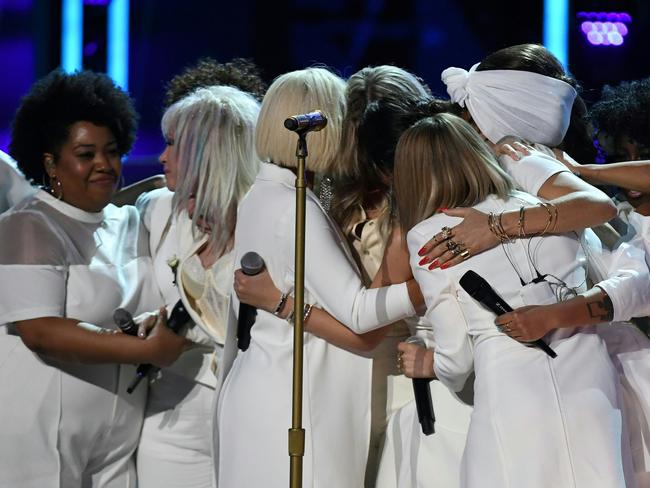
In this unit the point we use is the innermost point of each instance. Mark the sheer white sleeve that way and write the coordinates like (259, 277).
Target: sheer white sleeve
(33, 270)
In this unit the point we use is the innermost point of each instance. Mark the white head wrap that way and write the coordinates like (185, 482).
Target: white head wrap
(513, 103)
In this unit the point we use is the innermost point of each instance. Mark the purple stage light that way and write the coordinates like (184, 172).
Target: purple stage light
(605, 28)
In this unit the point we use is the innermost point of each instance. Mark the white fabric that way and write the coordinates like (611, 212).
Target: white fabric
(175, 448)
(65, 424)
(14, 187)
(547, 422)
(254, 409)
(513, 103)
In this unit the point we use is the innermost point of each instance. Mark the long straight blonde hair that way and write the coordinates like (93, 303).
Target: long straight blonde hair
(442, 162)
(214, 135)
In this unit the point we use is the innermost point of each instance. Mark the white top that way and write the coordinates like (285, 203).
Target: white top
(60, 259)
(171, 239)
(14, 187)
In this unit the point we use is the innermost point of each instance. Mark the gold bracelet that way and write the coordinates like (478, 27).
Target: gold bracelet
(522, 220)
(307, 313)
(550, 218)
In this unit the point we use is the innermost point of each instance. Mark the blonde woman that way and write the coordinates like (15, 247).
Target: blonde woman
(210, 163)
(537, 422)
(254, 409)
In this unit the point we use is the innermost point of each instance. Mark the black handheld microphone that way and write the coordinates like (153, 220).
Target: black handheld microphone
(313, 121)
(124, 320)
(422, 393)
(251, 264)
(480, 290)
(177, 319)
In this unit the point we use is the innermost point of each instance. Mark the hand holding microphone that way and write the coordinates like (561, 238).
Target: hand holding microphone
(251, 264)
(480, 290)
(416, 361)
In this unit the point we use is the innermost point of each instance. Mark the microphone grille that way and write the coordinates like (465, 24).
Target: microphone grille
(121, 317)
(252, 263)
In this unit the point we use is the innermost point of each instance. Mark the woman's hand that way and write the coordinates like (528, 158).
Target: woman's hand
(512, 148)
(415, 361)
(447, 247)
(567, 161)
(526, 324)
(257, 290)
(165, 345)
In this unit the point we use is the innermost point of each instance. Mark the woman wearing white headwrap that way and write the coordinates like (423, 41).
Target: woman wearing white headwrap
(513, 99)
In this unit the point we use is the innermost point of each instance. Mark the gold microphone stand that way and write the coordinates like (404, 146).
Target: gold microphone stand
(296, 432)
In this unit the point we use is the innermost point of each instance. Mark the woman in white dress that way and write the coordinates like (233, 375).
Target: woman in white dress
(210, 163)
(68, 259)
(537, 421)
(255, 403)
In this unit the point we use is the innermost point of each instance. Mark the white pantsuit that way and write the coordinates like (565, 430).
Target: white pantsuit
(537, 422)
(254, 409)
(69, 425)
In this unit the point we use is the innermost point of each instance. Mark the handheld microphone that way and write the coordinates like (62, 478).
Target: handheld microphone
(312, 121)
(251, 264)
(480, 290)
(177, 319)
(422, 394)
(124, 320)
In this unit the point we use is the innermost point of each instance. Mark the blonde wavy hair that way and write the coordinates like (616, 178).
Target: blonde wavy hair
(442, 162)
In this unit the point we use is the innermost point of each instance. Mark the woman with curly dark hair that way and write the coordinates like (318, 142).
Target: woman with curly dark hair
(67, 261)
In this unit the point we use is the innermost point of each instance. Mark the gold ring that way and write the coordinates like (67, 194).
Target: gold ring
(465, 254)
(445, 233)
(451, 245)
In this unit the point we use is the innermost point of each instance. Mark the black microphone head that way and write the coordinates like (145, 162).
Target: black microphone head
(252, 263)
(472, 283)
(124, 320)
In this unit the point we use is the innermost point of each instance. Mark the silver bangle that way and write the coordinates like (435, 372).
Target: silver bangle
(280, 305)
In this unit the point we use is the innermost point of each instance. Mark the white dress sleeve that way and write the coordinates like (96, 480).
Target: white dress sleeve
(453, 357)
(623, 274)
(531, 171)
(33, 271)
(14, 187)
(333, 279)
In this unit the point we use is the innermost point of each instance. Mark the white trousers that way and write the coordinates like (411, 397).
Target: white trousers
(175, 449)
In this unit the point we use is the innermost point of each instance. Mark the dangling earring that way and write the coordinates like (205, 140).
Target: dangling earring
(326, 192)
(59, 187)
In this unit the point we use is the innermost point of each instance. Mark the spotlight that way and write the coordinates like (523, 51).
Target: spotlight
(605, 28)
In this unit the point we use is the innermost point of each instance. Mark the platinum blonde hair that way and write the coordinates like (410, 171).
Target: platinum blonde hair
(442, 162)
(300, 92)
(213, 131)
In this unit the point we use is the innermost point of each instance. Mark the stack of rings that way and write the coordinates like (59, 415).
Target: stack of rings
(458, 249)
(400, 362)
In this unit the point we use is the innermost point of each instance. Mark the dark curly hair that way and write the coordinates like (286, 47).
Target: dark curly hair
(624, 110)
(578, 141)
(240, 73)
(55, 102)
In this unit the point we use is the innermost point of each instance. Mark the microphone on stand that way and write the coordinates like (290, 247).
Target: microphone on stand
(251, 264)
(312, 121)
(480, 290)
(177, 319)
(422, 392)
(124, 320)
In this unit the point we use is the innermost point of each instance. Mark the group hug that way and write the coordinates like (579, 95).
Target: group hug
(417, 207)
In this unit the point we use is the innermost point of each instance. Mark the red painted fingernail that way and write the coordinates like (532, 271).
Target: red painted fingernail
(444, 266)
(433, 265)
(444, 209)
(422, 251)
(424, 260)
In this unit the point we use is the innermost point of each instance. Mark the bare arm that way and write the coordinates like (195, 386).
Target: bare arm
(527, 324)
(578, 204)
(631, 175)
(64, 339)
